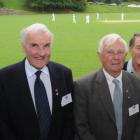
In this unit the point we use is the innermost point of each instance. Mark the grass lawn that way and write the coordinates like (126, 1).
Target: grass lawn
(14, 4)
(108, 8)
(75, 45)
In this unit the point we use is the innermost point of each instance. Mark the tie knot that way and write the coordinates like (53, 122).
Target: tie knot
(115, 81)
(38, 74)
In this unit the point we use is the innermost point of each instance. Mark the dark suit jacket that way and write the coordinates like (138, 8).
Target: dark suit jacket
(93, 108)
(18, 119)
(125, 66)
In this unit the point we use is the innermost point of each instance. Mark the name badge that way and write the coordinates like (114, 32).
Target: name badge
(133, 109)
(66, 99)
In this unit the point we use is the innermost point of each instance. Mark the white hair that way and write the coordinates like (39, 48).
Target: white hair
(110, 39)
(34, 28)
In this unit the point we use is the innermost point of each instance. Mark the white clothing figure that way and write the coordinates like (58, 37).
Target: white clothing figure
(87, 19)
(53, 17)
(97, 16)
(74, 18)
(122, 16)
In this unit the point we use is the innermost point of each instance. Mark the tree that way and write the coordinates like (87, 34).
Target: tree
(1, 3)
(79, 5)
(43, 5)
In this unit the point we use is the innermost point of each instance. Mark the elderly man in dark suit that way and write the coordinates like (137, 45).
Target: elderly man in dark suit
(106, 103)
(36, 94)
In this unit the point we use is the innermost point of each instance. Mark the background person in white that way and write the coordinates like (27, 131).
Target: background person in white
(87, 19)
(93, 105)
(74, 18)
(18, 116)
(53, 17)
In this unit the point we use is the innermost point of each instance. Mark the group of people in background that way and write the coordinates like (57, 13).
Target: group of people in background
(40, 101)
(87, 18)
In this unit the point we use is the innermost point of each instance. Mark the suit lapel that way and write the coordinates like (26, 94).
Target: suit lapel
(128, 91)
(55, 80)
(25, 95)
(104, 94)
(128, 98)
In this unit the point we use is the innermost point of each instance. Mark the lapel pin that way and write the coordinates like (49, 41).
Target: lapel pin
(128, 97)
(56, 92)
(126, 91)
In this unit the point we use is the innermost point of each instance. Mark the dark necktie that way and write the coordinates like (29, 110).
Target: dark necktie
(42, 107)
(117, 101)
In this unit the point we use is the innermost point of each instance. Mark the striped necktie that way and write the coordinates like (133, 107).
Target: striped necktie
(42, 107)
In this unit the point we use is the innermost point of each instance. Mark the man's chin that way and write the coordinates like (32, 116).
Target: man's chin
(39, 66)
(116, 69)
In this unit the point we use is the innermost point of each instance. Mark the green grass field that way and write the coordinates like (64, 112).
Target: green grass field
(107, 8)
(75, 45)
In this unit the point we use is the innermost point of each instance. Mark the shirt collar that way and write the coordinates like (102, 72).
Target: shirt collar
(110, 78)
(30, 70)
(130, 67)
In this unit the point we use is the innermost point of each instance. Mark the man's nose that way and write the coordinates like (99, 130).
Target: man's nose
(116, 55)
(41, 52)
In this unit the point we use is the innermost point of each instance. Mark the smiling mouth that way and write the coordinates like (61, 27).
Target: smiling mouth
(115, 63)
(39, 58)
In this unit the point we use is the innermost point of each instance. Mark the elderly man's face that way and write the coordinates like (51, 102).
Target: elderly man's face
(135, 51)
(113, 57)
(37, 49)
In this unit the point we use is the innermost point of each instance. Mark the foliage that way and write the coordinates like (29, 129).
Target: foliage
(43, 5)
(1, 3)
(90, 7)
(14, 4)
(79, 5)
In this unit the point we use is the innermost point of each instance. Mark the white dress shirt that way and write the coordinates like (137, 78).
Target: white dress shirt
(45, 77)
(130, 67)
(111, 85)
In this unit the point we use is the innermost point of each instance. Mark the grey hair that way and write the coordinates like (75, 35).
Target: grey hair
(34, 28)
(110, 39)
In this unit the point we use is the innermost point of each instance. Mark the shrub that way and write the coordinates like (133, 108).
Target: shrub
(42, 5)
(1, 3)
